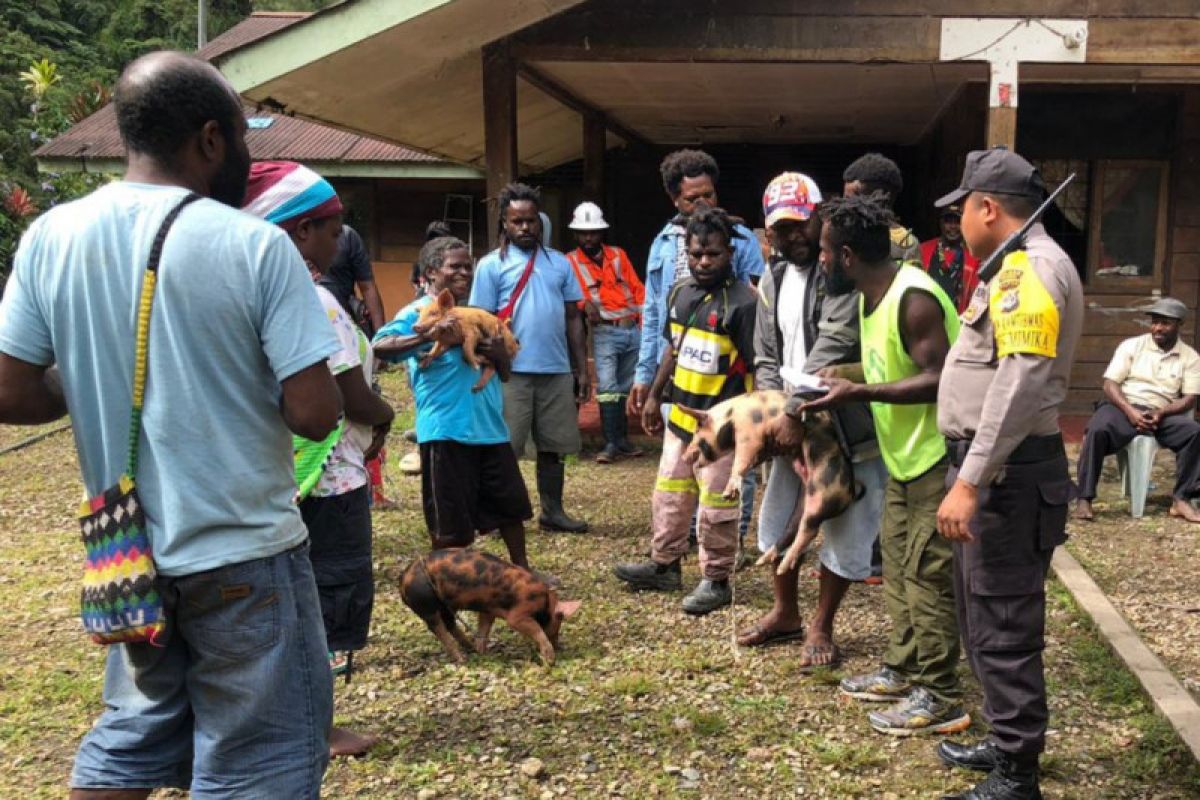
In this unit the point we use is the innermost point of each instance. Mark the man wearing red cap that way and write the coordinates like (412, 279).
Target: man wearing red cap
(800, 328)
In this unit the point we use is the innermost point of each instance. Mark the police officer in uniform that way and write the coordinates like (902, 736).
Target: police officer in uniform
(1006, 509)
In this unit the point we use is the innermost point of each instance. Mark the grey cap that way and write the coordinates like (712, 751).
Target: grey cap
(997, 171)
(1169, 307)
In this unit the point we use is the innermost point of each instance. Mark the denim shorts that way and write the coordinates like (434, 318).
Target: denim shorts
(237, 704)
(846, 540)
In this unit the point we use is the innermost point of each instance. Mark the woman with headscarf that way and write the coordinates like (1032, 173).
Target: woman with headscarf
(335, 505)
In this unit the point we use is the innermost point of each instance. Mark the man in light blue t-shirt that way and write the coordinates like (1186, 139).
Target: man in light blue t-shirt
(236, 364)
(536, 287)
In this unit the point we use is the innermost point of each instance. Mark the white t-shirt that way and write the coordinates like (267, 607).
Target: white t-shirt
(1152, 378)
(346, 470)
(791, 316)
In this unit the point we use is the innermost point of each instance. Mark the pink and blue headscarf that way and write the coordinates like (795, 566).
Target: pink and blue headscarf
(284, 192)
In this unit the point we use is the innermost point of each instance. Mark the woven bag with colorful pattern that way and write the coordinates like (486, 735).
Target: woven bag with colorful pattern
(120, 601)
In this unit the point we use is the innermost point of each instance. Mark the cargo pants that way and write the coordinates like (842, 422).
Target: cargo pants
(678, 489)
(918, 585)
(1000, 577)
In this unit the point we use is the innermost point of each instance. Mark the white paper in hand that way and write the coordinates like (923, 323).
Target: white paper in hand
(802, 381)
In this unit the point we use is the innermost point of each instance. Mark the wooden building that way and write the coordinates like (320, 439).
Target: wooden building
(391, 192)
(584, 96)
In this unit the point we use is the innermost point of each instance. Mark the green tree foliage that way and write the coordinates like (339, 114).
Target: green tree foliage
(58, 62)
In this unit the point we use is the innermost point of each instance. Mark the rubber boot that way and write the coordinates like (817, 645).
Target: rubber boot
(551, 473)
(621, 429)
(608, 425)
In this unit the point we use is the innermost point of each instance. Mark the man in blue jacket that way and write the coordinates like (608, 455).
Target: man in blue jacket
(689, 177)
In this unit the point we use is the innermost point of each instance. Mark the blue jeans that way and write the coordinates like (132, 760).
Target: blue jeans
(237, 704)
(615, 351)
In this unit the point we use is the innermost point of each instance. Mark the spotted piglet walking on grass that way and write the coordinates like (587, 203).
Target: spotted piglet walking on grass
(462, 579)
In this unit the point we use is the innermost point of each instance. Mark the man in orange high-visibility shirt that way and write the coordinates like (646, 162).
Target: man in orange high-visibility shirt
(612, 302)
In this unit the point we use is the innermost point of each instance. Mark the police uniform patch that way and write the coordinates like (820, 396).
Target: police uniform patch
(978, 304)
(1024, 317)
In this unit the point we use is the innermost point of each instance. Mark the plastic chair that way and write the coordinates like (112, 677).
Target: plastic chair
(1134, 464)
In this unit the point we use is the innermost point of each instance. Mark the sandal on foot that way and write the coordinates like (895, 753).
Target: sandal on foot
(812, 651)
(761, 636)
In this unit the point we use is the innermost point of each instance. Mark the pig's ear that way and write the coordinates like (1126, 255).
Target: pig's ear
(445, 299)
(567, 607)
(699, 416)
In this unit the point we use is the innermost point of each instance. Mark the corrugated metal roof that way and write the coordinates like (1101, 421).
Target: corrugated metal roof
(285, 138)
(253, 28)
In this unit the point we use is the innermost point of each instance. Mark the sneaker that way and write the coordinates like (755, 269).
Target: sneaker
(651, 576)
(920, 713)
(882, 686)
(708, 597)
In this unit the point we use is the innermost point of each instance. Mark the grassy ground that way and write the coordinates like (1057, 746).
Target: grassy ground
(645, 702)
(1147, 567)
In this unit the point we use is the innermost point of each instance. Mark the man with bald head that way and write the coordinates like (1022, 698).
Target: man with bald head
(236, 702)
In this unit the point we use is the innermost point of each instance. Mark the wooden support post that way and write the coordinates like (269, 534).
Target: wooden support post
(1002, 127)
(499, 126)
(594, 134)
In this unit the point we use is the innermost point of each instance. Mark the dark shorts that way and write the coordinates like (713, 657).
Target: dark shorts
(339, 530)
(470, 487)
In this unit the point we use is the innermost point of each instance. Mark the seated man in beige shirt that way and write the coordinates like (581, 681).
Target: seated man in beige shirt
(1150, 389)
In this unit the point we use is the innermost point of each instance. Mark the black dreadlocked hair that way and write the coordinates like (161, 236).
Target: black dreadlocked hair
(515, 192)
(687, 164)
(876, 173)
(862, 223)
(705, 221)
(434, 252)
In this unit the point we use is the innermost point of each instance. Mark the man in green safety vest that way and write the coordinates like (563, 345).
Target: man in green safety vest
(907, 325)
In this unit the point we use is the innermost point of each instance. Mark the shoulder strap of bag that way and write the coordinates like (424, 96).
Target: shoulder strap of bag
(511, 305)
(145, 303)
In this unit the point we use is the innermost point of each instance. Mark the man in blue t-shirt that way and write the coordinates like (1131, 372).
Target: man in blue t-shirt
(536, 288)
(470, 480)
(236, 364)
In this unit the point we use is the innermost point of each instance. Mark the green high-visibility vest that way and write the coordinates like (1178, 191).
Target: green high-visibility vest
(908, 434)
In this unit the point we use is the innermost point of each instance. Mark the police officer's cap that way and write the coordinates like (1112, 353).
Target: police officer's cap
(1168, 307)
(997, 171)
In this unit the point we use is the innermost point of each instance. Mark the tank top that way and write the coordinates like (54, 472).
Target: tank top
(908, 434)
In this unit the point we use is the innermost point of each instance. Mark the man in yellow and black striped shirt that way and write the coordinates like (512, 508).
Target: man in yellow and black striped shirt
(709, 358)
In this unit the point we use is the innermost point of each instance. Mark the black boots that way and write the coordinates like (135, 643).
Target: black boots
(551, 473)
(983, 756)
(609, 412)
(1015, 777)
(615, 426)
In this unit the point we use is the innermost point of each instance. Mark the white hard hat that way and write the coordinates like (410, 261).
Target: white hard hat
(588, 217)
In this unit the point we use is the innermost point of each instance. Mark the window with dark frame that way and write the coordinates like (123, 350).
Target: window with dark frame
(1111, 220)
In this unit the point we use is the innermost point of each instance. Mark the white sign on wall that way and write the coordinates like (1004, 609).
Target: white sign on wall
(1005, 42)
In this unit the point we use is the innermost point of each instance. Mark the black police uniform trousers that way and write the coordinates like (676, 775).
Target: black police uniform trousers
(1109, 430)
(999, 580)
